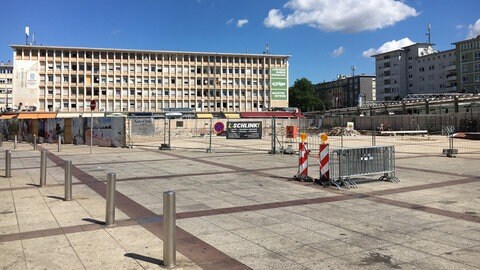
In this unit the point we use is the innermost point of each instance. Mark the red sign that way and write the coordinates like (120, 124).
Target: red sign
(93, 105)
(219, 127)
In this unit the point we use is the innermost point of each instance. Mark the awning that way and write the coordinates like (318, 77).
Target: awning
(68, 115)
(46, 115)
(204, 115)
(95, 114)
(231, 115)
(27, 116)
(7, 116)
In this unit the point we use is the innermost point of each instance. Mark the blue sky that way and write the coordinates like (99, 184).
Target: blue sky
(324, 37)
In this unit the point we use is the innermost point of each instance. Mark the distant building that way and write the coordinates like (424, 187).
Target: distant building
(414, 69)
(54, 78)
(348, 91)
(6, 85)
(468, 59)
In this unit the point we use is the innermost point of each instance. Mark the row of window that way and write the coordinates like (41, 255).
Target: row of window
(153, 68)
(476, 78)
(470, 46)
(158, 81)
(156, 56)
(5, 81)
(158, 92)
(6, 70)
(152, 106)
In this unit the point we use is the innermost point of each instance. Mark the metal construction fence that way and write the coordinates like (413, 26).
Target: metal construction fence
(348, 163)
(423, 134)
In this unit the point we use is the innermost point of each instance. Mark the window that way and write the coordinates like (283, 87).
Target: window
(464, 58)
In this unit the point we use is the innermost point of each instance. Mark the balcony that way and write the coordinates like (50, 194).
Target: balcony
(451, 67)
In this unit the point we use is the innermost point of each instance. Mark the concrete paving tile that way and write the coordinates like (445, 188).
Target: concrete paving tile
(366, 242)
(333, 263)
(394, 236)
(12, 256)
(336, 232)
(276, 243)
(372, 260)
(429, 246)
(59, 255)
(221, 238)
(402, 253)
(336, 247)
(447, 239)
(437, 263)
(254, 233)
(284, 228)
(302, 254)
(241, 248)
(308, 237)
(98, 249)
(228, 222)
(198, 226)
(467, 256)
(269, 260)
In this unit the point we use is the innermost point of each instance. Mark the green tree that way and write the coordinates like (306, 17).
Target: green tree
(302, 95)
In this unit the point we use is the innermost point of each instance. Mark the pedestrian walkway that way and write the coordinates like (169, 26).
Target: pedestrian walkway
(235, 211)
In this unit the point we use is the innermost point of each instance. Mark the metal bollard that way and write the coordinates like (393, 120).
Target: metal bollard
(68, 180)
(169, 242)
(8, 163)
(34, 142)
(43, 168)
(110, 215)
(15, 142)
(59, 146)
(1, 140)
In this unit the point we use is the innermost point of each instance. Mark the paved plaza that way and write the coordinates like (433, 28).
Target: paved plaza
(236, 209)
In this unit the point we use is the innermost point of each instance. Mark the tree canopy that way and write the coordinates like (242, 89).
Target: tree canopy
(302, 95)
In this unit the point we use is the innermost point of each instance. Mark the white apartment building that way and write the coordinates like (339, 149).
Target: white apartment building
(6, 85)
(54, 78)
(414, 69)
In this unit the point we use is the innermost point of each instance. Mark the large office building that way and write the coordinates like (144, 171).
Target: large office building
(52, 78)
(6, 85)
(468, 59)
(415, 69)
(348, 91)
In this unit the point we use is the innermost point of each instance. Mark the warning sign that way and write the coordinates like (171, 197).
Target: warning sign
(244, 130)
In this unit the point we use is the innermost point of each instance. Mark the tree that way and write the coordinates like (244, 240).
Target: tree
(302, 95)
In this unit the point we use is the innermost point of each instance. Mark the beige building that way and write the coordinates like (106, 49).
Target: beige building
(468, 69)
(6, 85)
(67, 78)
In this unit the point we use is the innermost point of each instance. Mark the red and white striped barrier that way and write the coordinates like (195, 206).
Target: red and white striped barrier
(302, 160)
(324, 159)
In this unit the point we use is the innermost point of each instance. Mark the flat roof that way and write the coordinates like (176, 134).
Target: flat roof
(14, 46)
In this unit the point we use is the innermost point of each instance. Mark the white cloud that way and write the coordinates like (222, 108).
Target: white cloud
(459, 26)
(388, 46)
(230, 21)
(474, 30)
(340, 15)
(242, 22)
(338, 51)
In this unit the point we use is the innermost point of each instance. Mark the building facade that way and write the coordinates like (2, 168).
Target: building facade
(348, 91)
(415, 69)
(6, 86)
(68, 78)
(468, 59)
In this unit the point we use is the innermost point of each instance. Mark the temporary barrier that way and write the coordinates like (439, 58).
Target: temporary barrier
(302, 174)
(324, 160)
(350, 162)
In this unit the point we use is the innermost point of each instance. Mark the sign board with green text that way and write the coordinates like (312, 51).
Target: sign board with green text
(278, 84)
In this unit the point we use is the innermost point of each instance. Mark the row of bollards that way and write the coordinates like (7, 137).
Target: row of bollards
(169, 212)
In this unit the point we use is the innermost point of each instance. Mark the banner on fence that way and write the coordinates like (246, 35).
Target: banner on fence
(244, 130)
